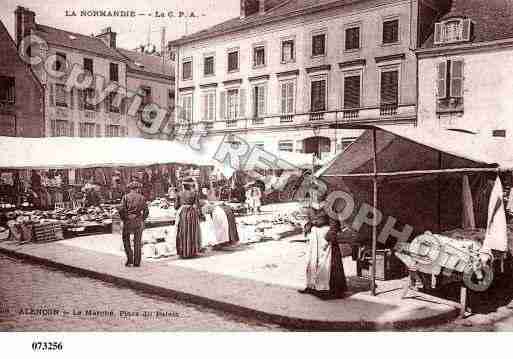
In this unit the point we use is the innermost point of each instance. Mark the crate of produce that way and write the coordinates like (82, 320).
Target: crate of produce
(47, 232)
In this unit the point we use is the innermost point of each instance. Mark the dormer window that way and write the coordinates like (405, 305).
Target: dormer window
(453, 30)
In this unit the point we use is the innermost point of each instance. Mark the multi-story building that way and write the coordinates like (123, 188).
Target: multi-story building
(21, 93)
(283, 71)
(70, 113)
(466, 67)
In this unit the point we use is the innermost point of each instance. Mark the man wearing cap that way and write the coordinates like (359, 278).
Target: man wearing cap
(133, 211)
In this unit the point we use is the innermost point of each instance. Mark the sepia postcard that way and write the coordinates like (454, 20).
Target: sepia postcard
(256, 166)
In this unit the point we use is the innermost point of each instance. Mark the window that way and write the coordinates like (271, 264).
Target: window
(287, 51)
(287, 97)
(187, 70)
(61, 95)
(89, 129)
(60, 64)
(389, 92)
(90, 99)
(319, 45)
(259, 100)
(233, 61)
(453, 30)
(287, 146)
(353, 38)
(114, 72)
(61, 128)
(112, 106)
(233, 104)
(88, 65)
(7, 89)
(318, 95)
(390, 31)
(209, 106)
(208, 65)
(450, 78)
(258, 56)
(115, 131)
(187, 108)
(352, 91)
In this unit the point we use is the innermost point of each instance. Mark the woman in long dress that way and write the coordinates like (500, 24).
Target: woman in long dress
(188, 235)
(222, 225)
(325, 277)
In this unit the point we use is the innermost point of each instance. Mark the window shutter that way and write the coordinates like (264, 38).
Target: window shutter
(242, 99)
(71, 98)
(389, 87)
(457, 78)
(264, 99)
(80, 99)
(204, 101)
(438, 33)
(52, 95)
(284, 98)
(466, 30)
(222, 107)
(212, 104)
(98, 130)
(290, 101)
(52, 127)
(441, 82)
(352, 92)
(71, 129)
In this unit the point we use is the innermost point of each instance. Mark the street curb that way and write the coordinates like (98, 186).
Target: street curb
(293, 323)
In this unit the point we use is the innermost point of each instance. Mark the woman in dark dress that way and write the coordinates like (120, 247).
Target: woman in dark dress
(325, 277)
(188, 236)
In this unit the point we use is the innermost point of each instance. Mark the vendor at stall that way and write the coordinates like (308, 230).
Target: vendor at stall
(325, 277)
(92, 195)
(222, 222)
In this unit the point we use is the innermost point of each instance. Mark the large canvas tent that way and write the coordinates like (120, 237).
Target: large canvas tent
(415, 175)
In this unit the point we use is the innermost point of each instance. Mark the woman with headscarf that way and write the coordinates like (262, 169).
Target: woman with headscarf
(325, 277)
(222, 223)
(188, 236)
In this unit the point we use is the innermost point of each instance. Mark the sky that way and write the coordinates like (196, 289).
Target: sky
(131, 32)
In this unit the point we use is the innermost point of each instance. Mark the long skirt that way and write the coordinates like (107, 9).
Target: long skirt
(188, 235)
(233, 233)
(324, 271)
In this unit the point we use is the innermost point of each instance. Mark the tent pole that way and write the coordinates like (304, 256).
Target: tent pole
(439, 194)
(375, 206)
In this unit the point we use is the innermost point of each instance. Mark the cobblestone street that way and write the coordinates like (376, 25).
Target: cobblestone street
(26, 287)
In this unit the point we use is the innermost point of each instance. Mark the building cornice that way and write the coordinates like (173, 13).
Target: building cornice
(260, 77)
(212, 84)
(154, 76)
(287, 73)
(401, 56)
(232, 82)
(318, 68)
(464, 48)
(352, 63)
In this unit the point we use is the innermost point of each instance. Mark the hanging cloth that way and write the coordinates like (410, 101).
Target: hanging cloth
(496, 232)
(468, 219)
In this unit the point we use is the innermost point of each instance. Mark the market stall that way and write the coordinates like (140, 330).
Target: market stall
(432, 181)
(88, 216)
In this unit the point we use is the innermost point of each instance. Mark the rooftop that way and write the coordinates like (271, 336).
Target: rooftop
(152, 64)
(492, 19)
(275, 11)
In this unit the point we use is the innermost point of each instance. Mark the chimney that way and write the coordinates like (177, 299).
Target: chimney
(242, 9)
(261, 7)
(24, 22)
(108, 37)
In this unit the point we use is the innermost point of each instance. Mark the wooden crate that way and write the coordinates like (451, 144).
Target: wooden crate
(47, 232)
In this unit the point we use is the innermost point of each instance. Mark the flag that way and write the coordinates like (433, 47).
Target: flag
(496, 232)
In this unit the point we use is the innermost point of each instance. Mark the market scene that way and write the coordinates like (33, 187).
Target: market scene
(281, 192)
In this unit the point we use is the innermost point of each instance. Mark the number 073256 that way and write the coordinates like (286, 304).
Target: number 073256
(46, 346)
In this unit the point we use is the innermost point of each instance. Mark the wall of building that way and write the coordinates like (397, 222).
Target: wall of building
(72, 112)
(160, 95)
(369, 15)
(487, 83)
(26, 117)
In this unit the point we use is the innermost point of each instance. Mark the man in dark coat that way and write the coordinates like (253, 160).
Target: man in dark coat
(133, 211)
